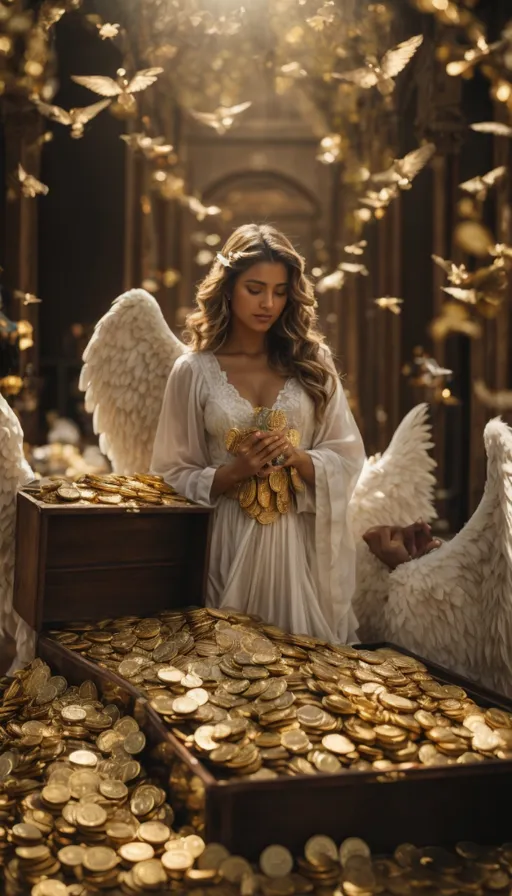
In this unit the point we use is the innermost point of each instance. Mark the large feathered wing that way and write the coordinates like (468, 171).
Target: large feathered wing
(454, 606)
(14, 474)
(397, 490)
(127, 363)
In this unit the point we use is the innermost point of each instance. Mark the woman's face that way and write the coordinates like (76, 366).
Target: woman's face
(259, 295)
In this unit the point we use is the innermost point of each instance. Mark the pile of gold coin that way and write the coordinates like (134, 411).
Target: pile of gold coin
(251, 700)
(265, 499)
(139, 490)
(78, 813)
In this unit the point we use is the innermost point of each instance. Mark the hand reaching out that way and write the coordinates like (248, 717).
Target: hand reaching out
(394, 545)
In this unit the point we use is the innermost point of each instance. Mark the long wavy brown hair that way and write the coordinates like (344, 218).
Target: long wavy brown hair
(294, 344)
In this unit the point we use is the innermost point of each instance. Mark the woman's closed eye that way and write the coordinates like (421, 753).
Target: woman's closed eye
(258, 292)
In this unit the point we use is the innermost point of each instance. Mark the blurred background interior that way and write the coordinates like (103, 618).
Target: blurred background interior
(246, 120)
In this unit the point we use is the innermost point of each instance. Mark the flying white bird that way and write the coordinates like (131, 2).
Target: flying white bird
(76, 119)
(381, 73)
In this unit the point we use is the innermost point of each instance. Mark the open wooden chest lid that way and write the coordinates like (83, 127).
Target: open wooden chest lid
(91, 562)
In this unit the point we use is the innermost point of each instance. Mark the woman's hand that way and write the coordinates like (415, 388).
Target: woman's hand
(394, 545)
(301, 460)
(256, 454)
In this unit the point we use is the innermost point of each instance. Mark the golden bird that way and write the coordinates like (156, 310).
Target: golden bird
(454, 318)
(499, 400)
(457, 274)
(151, 147)
(381, 74)
(492, 127)
(30, 185)
(330, 281)
(122, 87)
(480, 186)
(380, 199)
(356, 248)
(76, 118)
(472, 57)
(198, 209)
(222, 118)
(390, 303)
(26, 298)
(108, 30)
(403, 171)
(350, 267)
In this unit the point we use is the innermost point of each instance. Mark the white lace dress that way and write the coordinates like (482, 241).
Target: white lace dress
(299, 572)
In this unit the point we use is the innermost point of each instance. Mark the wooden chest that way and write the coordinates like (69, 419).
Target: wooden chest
(436, 805)
(92, 561)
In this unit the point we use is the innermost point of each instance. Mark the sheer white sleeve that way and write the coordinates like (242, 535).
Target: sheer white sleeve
(180, 452)
(338, 456)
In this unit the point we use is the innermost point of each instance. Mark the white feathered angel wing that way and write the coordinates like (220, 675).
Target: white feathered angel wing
(454, 606)
(127, 363)
(14, 474)
(397, 490)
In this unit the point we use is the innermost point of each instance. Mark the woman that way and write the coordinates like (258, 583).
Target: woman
(255, 345)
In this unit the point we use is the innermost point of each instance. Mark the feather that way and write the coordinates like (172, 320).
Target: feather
(99, 84)
(127, 363)
(144, 79)
(363, 77)
(492, 127)
(396, 489)
(14, 474)
(463, 295)
(395, 60)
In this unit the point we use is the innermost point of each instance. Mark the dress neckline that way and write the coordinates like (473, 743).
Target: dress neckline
(233, 389)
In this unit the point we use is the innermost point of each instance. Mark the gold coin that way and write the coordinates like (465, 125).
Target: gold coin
(234, 868)
(264, 493)
(276, 861)
(149, 874)
(99, 858)
(28, 834)
(177, 860)
(199, 695)
(184, 705)
(56, 794)
(276, 420)
(247, 492)
(110, 499)
(90, 815)
(71, 855)
(49, 887)
(134, 742)
(318, 849)
(195, 845)
(112, 789)
(212, 857)
(33, 853)
(296, 742)
(353, 846)
(267, 517)
(73, 713)
(83, 758)
(68, 493)
(338, 743)
(136, 852)
(154, 832)
(170, 675)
